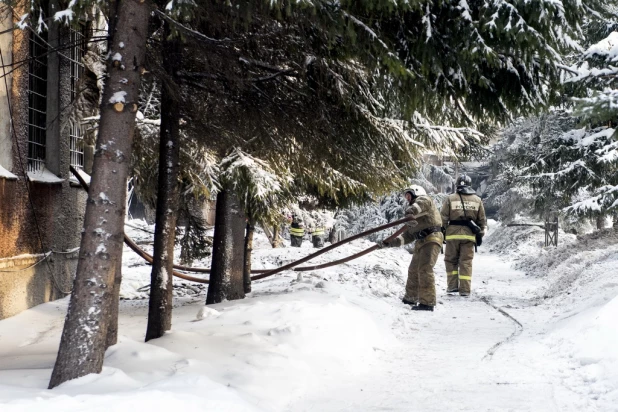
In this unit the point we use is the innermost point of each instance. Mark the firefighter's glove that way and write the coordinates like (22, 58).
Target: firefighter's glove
(412, 210)
(398, 241)
(412, 223)
(479, 239)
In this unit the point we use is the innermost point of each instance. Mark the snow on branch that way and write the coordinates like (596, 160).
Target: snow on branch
(372, 34)
(261, 179)
(439, 137)
(188, 30)
(262, 190)
(605, 198)
(23, 21)
(67, 14)
(606, 48)
(443, 137)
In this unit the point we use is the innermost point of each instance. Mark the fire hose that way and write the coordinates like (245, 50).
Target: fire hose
(264, 273)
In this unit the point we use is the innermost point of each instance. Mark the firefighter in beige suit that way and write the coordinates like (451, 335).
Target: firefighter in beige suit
(427, 232)
(463, 216)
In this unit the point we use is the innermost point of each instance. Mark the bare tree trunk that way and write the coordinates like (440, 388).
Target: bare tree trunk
(269, 235)
(600, 222)
(277, 241)
(226, 274)
(161, 285)
(84, 338)
(112, 328)
(248, 250)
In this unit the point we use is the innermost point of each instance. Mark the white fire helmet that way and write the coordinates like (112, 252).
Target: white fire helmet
(415, 191)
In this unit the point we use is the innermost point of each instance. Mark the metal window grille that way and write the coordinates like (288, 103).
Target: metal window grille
(78, 42)
(37, 101)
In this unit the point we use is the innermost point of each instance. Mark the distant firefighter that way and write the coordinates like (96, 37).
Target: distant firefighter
(318, 237)
(297, 231)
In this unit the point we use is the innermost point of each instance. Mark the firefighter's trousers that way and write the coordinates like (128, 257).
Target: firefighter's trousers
(458, 261)
(421, 285)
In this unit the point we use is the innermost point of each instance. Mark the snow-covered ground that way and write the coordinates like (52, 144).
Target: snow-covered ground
(538, 334)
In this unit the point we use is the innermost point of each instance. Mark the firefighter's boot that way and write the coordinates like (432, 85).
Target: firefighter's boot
(423, 307)
(409, 301)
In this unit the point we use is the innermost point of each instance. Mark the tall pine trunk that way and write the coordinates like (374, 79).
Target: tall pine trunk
(84, 337)
(112, 327)
(248, 249)
(226, 271)
(161, 282)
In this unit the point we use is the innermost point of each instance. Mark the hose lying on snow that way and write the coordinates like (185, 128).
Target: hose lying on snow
(336, 245)
(264, 273)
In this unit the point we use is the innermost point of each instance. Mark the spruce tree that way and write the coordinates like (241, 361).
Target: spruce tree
(573, 167)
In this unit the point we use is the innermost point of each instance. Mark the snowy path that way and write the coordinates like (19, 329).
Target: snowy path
(442, 362)
(336, 340)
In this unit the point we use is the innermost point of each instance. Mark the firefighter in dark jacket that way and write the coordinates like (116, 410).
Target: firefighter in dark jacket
(297, 231)
(426, 231)
(463, 216)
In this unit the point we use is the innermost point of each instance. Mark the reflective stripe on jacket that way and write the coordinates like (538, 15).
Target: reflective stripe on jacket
(297, 231)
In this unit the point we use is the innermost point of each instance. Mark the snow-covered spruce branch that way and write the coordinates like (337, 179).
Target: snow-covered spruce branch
(261, 190)
(223, 78)
(373, 35)
(568, 69)
(331, 182)
(441, 136)
(262, 65)
(464, 130)
(608, 98)
(366, 28)
(190, 31)
(439, 133)
(599, 202)
(570, 167)
(256, 173)
(598, 15)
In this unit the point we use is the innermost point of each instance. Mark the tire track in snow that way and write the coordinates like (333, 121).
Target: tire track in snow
(518, 328)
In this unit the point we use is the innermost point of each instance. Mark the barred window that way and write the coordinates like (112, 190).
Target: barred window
(78, 50)
(37, 101)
